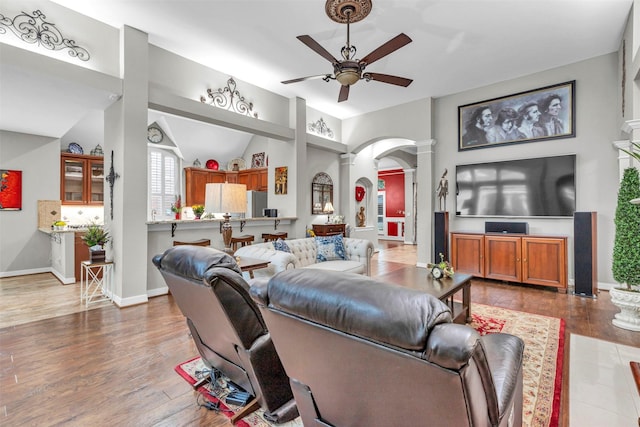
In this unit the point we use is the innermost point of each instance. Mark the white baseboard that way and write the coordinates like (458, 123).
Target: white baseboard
(25, 272)
(126, 302)
(61, 278)
(156, 292)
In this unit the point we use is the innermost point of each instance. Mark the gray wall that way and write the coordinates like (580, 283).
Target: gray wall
(597, 109)
(24, 249)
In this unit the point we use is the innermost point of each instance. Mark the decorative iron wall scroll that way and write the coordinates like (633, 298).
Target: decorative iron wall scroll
(230, 99)
(320, 128)
(35, 30)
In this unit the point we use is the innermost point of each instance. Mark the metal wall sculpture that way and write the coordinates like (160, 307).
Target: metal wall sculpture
(111, 179)
(230, 99)
(320, 128)
(35, 30)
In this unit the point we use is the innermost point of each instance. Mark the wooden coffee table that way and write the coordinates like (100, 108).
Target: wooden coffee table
(249, 264)
(444, 289)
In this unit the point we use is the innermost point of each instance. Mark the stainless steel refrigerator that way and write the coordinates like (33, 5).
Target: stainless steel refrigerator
(256, 202)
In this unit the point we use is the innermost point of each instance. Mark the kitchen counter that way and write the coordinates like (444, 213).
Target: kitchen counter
(216, 220)
(48, 230)
(191, 224)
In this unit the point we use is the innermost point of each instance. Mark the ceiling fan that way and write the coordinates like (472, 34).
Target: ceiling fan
(348, 71)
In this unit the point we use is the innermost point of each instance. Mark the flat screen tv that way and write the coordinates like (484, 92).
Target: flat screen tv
(539, 187)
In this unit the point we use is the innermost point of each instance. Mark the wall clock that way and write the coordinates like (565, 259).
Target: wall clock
(155, 135)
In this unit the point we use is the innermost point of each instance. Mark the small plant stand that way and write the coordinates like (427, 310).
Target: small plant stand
(95, 282)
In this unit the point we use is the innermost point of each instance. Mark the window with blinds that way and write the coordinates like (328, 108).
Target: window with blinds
(163, 183)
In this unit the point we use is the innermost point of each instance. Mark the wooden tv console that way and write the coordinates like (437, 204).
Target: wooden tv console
(522, 258)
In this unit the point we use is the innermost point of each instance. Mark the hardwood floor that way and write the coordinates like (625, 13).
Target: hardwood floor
(111, 366)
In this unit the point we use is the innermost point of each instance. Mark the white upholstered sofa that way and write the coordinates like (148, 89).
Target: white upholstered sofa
(304, 254)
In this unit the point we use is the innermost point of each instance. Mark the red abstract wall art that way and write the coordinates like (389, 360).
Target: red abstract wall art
(10, 190)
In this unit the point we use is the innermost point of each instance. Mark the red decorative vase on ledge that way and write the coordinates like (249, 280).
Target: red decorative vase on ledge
(177, 215)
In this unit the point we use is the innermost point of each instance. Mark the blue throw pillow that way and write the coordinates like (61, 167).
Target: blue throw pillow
(329, 248)
(281, 245)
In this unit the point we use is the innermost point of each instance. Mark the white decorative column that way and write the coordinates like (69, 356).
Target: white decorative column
(347, 185)
(125, 133)
(424, 203)
(632, 128)
(298, 180)
(409, 207)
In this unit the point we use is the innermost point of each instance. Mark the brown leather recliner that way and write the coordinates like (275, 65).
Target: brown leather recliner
(364, 353)
(226, 324)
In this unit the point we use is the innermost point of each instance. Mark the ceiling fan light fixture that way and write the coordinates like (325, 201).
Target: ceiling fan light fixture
(349, 70)
(348, 77)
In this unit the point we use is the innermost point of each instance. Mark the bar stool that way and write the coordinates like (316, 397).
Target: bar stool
(201, 242)
(269, 237)
(244, 240)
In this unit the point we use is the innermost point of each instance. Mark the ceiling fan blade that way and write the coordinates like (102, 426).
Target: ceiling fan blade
(301, 79)
(392, 45)
(386, 78)
(315, 46)
(344, 93)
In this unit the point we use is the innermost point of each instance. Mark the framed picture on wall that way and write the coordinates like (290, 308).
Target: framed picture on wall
(281, 179)
(535, 115)
(10, 190)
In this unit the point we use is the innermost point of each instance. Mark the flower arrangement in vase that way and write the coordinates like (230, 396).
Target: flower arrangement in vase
(198, 210)
(176, 207)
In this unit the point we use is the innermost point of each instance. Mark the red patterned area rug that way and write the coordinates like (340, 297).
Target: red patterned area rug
(216, 393)
(542, 368)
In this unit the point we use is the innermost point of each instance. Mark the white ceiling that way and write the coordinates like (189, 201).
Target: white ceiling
(457, 45)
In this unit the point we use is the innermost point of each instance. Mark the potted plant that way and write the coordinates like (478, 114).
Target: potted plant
(176, 207)
(198, 210)
(95, 237)
(626, 252)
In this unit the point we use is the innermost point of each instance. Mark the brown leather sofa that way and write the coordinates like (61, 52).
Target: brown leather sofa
(365, 353)
(226, 324)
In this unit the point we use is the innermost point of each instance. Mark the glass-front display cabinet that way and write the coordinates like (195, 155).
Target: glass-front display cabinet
(82, 179)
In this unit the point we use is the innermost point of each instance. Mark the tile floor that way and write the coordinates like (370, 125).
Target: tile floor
(602, 389)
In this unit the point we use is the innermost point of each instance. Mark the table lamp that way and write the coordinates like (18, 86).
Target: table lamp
(225, 198)
(328, 209)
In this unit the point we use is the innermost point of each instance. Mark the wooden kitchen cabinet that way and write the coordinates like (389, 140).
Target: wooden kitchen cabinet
(81, 179)
(329, 229)
(196, 180)
(81, 253)
(255, 179)
(536, 260)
